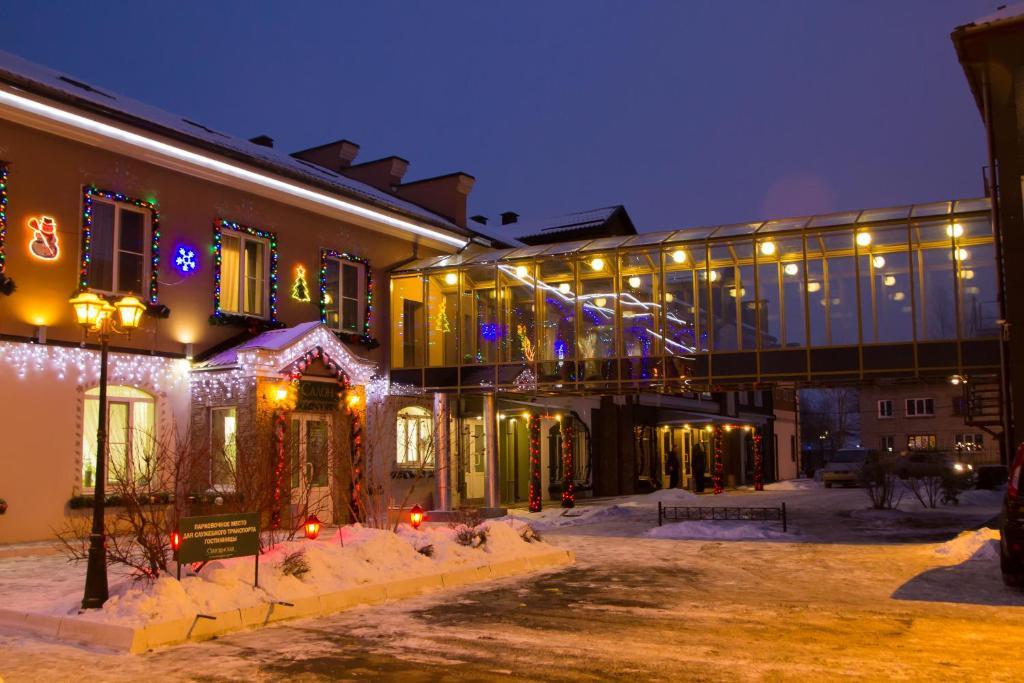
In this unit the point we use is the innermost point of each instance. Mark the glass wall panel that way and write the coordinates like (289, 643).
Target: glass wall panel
(639, 297)
(723, 289)
(791, 273)
(832, 286)
(407, 322)
(976, 275)
(817, 304)
(519, 308)
(705, 277)
(747, 301)
(933, 258)
(680, 313)
(769, 300)
(557, 325)
(597, 316)
(479, 313)
(885, 287)
(442, 319)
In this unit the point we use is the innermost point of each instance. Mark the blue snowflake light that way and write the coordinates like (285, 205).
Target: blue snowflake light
(185, 261)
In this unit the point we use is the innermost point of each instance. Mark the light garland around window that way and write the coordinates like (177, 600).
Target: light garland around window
(154, 255)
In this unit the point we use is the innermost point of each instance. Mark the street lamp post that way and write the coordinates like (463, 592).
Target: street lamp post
(98, 316)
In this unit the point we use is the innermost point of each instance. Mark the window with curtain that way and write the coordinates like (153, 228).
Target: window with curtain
(243, 275)
(131, 435)
(119, 250)
(345, 295)
(223, 446)
(415, 433)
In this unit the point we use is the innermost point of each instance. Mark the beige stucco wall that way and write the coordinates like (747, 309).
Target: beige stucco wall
(40, 458)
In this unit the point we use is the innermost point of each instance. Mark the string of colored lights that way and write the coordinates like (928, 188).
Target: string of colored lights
(3, 216)
(568, 467)
(758, 465)
(716, 471)
(536, 495)
(325, 255)
(154, 373)
(219, 227)
(87, 217)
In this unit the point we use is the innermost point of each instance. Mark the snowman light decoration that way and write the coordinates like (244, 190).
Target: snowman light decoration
(45, 244)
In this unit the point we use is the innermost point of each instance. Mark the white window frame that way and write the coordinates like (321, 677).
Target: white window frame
(147, 248)
(968, 441)
(223, 486)
(243, 238)
(885, 411)
(424, 455)
(920, 406)
(129, 446)
(932, 442)
(339, 295)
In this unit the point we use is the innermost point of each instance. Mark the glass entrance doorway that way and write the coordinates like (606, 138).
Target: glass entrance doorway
(311, 458)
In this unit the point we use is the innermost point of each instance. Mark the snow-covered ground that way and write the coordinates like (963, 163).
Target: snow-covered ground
(48, 585)
(845, 600)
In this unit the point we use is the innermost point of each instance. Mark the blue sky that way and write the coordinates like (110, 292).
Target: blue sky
(689, 113)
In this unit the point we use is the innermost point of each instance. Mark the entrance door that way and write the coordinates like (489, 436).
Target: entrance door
(311, 458)
(475, 461)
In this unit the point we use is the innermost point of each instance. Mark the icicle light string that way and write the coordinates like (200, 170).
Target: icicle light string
(155, 372)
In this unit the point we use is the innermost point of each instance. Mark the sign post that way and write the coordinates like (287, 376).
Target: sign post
(218, 537)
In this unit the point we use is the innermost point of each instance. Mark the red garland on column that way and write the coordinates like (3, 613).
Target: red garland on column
(568, 470)
(758, 474)
(356, 487)
(279, 467)
(716, 472)
(535, 492)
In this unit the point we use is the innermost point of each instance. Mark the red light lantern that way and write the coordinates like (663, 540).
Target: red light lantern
(416, 516)
(312, 527)
(175, 540)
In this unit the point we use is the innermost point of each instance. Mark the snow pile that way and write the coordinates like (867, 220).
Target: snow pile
(793, 485)
(368, 556)
(982, 544)
(558, 517)
(720, 531)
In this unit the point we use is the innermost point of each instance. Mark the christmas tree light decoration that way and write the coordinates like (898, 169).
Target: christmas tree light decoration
(45, 244)
(535, 484)
(219, 226)
(716, 472)
(300, 290)
(154, 248)
(365, 339)
(185, 260)
(441, 324)
(568, 466)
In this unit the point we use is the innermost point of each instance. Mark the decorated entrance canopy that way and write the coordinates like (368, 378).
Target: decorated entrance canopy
(276, 354)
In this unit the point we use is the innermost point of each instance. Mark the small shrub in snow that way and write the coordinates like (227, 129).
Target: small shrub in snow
(528, 534)
(470, 537)
(295, 564)
(927, 489)
(427, 550)
(880, 483)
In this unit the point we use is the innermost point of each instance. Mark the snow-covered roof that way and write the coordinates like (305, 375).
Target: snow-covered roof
(1003, 14)
(275, 350)
(514, 232)
(53, 84)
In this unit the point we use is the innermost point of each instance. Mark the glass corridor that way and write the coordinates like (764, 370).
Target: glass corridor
(898, 291)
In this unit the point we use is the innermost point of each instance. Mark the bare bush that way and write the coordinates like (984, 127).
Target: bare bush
(878, 477)
(927, 489)
(466, 524)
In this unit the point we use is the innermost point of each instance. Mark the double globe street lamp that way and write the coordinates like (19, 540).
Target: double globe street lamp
(100, 318)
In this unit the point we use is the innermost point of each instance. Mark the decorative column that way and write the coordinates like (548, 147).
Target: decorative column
(716, 472)
(758, 467)
(491, 495)
(356, 492)
(568, 466)
(536, 488)
(442, 452)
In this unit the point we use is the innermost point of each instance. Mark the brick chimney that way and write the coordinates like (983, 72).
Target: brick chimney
(445, 195)
(334, 156)
(384, 174)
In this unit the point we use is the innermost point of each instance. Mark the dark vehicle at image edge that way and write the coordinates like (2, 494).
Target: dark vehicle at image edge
(1011, 545)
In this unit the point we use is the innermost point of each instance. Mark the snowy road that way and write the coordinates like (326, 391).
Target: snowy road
(831, 606)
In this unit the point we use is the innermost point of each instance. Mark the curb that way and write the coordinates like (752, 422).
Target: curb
(129, 640)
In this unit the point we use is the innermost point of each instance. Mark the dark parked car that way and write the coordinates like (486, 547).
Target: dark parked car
(846, 465)
(1011, 546)
(935, 464)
